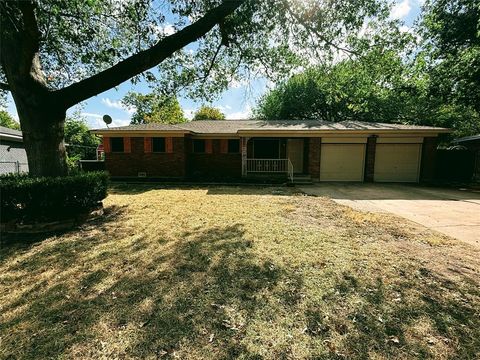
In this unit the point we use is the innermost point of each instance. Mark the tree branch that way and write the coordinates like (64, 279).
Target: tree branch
(146, 59)
(4, 86)
(311, 30)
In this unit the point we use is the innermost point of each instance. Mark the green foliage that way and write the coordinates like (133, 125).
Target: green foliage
(451, 32)
(30, 199)
(154, 108)
(8, 121)
(378, 87)
(208, 113)
(81, 142)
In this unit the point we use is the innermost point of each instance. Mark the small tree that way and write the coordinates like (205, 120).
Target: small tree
(81, 143)
(208, 113)
(154, 108)
(8, 121)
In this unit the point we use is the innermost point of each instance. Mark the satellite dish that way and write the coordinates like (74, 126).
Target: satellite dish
(107, 119)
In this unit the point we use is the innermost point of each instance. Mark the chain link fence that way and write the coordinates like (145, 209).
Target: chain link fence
(13, 167)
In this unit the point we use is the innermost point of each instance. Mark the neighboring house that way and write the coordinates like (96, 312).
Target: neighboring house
(472, 143)
(13, 158)
(234, 149)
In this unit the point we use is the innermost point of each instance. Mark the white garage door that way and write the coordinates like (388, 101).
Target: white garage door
(342, 162)
(397, 162)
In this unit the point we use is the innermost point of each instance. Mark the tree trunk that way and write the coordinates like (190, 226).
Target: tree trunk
(43, 137)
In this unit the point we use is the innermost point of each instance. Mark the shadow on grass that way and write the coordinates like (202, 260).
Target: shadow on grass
(415, 318)
(199, 296)
(202, 291)
(11, 244)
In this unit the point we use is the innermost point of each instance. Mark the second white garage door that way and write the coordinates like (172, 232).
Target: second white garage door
(397, 162)
(342, 162)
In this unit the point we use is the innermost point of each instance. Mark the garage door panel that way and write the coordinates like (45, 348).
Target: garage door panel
(397, 162)
(342, 162)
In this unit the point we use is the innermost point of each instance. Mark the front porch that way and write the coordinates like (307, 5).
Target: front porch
(274, 157)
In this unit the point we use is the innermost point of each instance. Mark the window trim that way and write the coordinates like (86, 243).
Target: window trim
(164, 145)
(204, 146)
(112, 148)
(228, 146)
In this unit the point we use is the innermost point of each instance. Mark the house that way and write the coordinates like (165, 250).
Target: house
(235, 149)
(472, 143)
(13, 158)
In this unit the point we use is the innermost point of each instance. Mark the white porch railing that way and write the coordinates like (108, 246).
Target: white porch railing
(290, 170)
(270, 166)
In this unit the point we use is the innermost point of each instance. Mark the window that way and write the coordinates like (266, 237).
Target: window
(158, 144)
(198, 146)
(233, 146)
(116, 144)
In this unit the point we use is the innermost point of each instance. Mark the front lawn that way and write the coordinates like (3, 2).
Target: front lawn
(226, 272)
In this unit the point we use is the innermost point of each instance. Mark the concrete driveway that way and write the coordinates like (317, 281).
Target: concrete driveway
(453, 212)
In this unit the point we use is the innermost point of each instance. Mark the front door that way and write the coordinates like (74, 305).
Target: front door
(295, 154)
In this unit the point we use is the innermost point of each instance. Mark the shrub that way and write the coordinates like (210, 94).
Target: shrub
(31, 199)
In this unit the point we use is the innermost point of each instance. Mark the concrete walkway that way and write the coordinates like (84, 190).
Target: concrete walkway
(453, 212)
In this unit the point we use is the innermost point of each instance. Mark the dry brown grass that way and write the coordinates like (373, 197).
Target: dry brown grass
(226, 272)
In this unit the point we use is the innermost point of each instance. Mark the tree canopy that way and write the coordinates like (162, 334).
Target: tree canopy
(154, 108)
(381, 86)
(451, 33)
(56, 53)
(208, 113)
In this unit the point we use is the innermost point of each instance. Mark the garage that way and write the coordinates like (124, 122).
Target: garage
(342, 161)
(397, 162)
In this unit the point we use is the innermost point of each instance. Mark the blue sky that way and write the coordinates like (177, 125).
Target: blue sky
(236, 102)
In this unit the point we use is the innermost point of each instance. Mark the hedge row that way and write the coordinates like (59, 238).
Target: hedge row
(33, 199)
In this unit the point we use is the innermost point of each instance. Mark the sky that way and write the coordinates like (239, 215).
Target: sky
(236, 103)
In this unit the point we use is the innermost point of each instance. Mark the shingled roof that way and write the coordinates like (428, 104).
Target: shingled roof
(237, 126)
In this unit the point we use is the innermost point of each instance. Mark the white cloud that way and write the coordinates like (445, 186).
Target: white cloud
(400, 10)
(165, 30)
(188, 113)
(96, 120)
(118, 105)
(244, 114)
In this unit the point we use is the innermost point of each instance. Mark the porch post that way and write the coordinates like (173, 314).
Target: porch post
(243, 142)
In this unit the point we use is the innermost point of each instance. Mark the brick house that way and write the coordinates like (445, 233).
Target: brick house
(236, 149)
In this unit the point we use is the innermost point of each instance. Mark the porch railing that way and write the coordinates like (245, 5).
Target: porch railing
(270, 166)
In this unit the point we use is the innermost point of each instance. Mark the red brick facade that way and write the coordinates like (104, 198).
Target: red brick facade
(155, 165)
(370, 158)
(314, 148)
(429, 154)
(216, 163)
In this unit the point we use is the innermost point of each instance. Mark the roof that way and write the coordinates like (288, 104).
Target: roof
(467, 138)
(10, 134)
(245, 126)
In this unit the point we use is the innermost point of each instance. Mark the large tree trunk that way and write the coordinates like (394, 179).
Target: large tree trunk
(43, 137)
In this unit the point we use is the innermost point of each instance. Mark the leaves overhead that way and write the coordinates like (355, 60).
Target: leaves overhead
(80, 38)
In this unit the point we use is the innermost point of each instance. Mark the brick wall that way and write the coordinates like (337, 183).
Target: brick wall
(314, 145)
(429, 154)
(216, 165)
(161, 165)
(370, 159)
